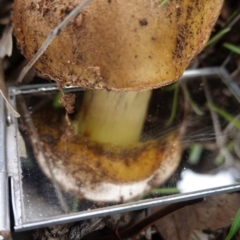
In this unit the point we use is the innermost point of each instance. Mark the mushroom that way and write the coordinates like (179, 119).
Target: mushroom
(120, 50)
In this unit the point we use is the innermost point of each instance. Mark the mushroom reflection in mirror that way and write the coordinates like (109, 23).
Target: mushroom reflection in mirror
(103, 171)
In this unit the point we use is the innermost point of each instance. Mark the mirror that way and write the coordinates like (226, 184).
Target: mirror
(194, 123)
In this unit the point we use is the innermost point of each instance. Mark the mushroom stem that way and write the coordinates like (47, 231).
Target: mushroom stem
(115, 118)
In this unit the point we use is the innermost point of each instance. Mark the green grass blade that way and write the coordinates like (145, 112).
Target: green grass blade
(75, 204)
(231, 18)
(56, 103)
(219, 160)
(194, 106)
(232, 47)
(163, 3)
(170, 87)
(195, 153)
(163, 190)
(225, 115)
(217, 36)
(235, 226)
(170, 190)
(174, 107)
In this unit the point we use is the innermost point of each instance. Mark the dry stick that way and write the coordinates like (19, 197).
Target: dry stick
(227, 59)
(148, 231)
(3, 91)
(230, 127)
(236, 73)
(52, 34)
(234, 20)
(6, 50)
(217, 128)
(186, 112)
(150, 220)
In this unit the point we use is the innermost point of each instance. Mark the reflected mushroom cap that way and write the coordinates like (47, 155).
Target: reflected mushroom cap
(116, 45)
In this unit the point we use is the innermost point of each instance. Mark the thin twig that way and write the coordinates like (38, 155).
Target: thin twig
(236, 73)
(216, 125)
(227, 59)
(3, 92)
(230, 128)
(52, 34)
(150, 220)
(6, 50)
(148, 232)
(233, 19)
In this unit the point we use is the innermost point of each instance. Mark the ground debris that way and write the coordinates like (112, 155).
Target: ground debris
(69, 231)
(214, 213)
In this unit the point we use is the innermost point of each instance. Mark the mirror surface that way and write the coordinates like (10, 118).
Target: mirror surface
(200, 111)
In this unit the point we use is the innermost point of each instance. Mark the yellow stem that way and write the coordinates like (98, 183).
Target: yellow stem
(115, 118)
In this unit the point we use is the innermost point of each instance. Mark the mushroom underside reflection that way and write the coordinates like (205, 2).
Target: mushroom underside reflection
(102, 172)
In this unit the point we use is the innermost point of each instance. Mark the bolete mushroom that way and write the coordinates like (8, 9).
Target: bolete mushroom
(121, 50)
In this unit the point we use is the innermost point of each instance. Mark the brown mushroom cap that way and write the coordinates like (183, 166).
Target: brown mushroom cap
(117, 45)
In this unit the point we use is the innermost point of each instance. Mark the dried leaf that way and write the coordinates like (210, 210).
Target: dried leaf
(177, 226)
(217, 211)
(6, 43)
(213, 213)
(9, 106)
(6, 50)
(3, 92)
